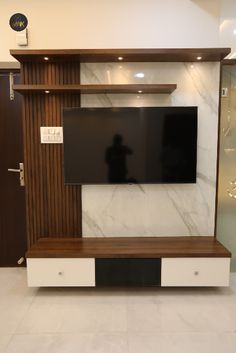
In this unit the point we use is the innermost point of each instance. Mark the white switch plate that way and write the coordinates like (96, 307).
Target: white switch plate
(51, 134)
(22, 38)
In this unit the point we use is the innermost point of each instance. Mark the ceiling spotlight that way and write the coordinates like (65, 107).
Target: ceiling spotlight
(139, 75)
(140, 91)
(199, 58)
(120, 58)
(47, 92)
(46, 58)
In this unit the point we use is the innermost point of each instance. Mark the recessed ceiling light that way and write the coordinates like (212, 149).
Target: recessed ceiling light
(199, 58)
(140, 91)
(139, 75)
(46, 58)
(120, 58)
(47, 92)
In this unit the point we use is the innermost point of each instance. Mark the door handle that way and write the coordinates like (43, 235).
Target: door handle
(21, 171)
(13, 170)
(21, 260)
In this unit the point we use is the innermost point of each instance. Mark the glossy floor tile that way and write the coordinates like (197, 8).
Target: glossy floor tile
(4, 341)
(183, 342)
(88, 320)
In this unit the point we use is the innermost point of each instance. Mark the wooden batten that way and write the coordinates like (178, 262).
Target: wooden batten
(53, 209)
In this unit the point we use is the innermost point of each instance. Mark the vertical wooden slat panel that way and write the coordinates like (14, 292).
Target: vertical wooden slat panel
(53, 209)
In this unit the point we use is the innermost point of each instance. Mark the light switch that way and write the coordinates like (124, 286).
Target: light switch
(51, 134)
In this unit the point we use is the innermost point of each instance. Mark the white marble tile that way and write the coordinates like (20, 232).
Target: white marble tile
(168, 320)
(96, 318)
(12, 311)
(69, 343)
(74, 317)
(181, 316)
(79, 295)
(87, 343)
(139, 210)
(15, 280)
(162, 210)
(118, 343)
(31, 344)
(4, 341)
(43, 318)
(184, 342)
(110, 296)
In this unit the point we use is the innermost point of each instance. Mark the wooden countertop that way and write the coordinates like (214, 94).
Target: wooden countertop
(128, 247)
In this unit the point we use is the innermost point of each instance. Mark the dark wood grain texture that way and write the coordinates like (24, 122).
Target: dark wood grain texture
(128, 247)
(128, 55)
(53, 209)
(229, 62)
(92, 89)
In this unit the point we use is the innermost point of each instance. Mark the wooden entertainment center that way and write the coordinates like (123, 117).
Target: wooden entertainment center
(58, 255)
(147, 261)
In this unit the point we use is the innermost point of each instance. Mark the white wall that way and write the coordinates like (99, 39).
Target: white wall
(112, 23)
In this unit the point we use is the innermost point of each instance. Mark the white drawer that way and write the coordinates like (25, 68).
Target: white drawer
(195, 271)
(48, 272)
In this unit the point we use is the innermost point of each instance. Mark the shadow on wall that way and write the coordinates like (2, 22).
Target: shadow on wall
(211, 7)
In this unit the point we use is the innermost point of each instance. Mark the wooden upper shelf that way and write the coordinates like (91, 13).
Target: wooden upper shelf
(122, 55)
(229, 62)
(89, 89)
(128, 247)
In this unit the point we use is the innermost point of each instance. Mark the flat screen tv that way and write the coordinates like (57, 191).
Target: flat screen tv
(145, 145)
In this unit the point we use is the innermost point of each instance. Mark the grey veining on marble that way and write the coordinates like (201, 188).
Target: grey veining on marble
(161, 209)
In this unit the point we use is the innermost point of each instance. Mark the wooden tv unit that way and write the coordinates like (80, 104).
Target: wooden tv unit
(128, 261)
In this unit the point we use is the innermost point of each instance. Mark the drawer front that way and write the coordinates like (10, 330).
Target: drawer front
(47, 272)
(195, 272)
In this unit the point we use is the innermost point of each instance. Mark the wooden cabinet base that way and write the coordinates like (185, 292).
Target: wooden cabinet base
(172, 261)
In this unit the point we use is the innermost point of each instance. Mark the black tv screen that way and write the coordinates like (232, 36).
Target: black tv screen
(130, 145)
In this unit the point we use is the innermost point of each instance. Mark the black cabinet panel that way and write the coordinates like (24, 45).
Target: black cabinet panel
(128, 272)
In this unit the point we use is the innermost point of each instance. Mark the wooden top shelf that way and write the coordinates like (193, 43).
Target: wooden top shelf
(128, 247)
(127, 55)
(90, 89)
(229, 62)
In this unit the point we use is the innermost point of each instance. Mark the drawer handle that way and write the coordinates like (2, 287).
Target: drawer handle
(60, 273)
(196, 273)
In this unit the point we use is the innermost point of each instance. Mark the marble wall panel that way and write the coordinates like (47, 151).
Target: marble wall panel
(161, 209)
